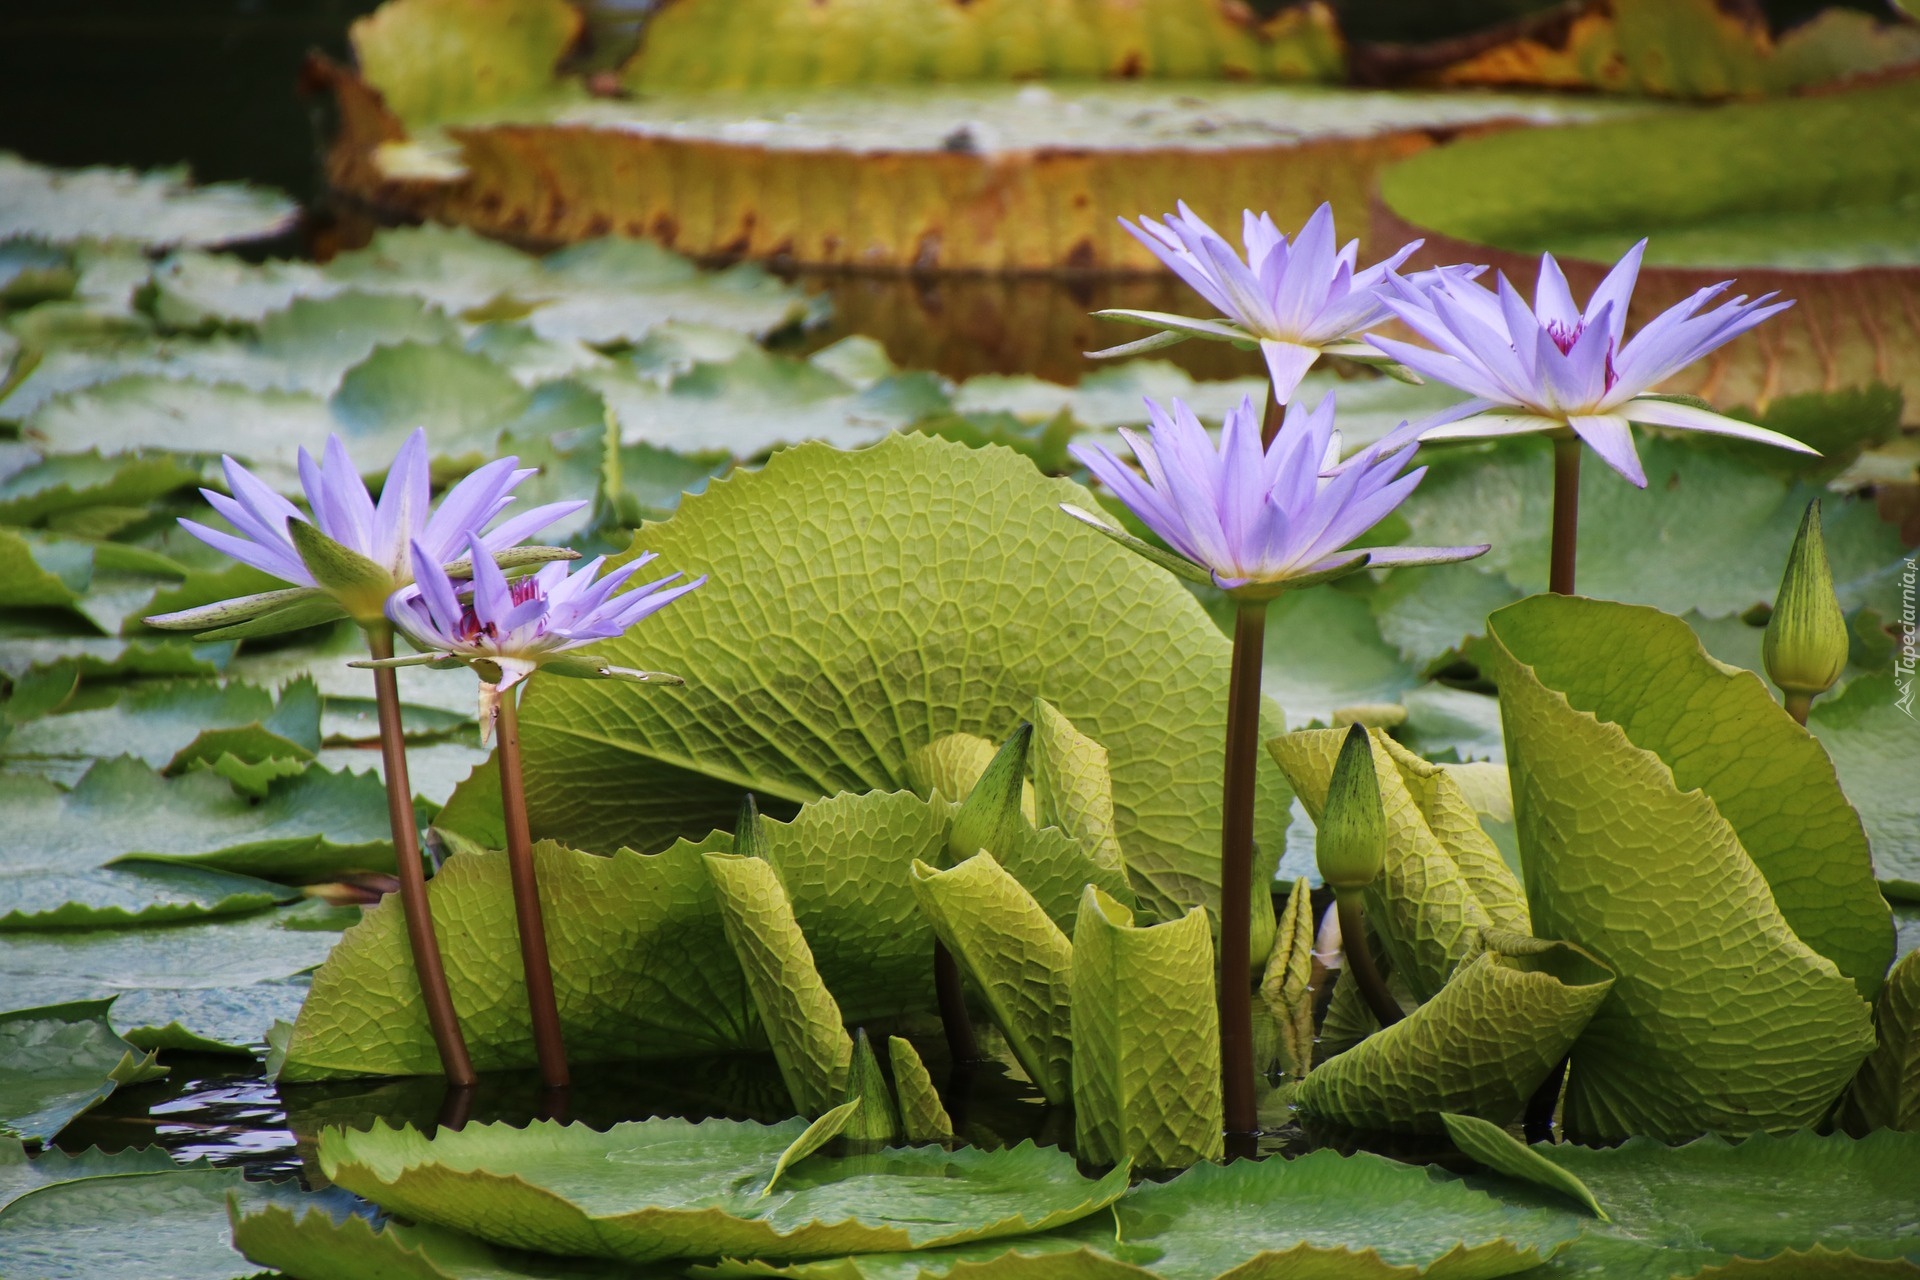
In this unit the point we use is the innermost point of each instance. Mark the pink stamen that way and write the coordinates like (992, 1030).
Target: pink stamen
(1565, 336)
(519, 591)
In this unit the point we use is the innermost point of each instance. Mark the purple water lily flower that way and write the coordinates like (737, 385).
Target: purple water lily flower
(1258, 522)
(382, 533)
(1555, 367)
(1296, 300)
(506, 630)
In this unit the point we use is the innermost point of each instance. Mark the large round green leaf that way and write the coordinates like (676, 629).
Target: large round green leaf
(861, 605)
(669, 1188)
(1675, 823)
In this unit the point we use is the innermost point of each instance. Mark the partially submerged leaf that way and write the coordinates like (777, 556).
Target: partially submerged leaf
(1500, 1151)
(59, 1061)
(1676, 824)
(1886, 1093)
(127, 1226)
(1480, 1046)
(694, 1190)
(1146, 1038)
(310, 1242)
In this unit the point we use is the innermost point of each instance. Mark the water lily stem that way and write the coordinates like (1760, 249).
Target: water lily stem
(1359, 965)
(1236, 870)
(951, 992)
(1798, 705)
(1566, 513)
(442, 1020)
(544, 1010)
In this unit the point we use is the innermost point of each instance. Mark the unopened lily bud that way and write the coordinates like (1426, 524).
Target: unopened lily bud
(1806, 644)
(990, 817)
(1351, 843)
(355, 581)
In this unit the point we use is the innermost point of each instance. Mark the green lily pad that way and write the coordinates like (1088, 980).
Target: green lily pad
(1886, 1093)
(154, 209)
(21, 1173)
(696, 1190)
(1499, 1150)
(174, 727)
(312, 827)
(1676, 1210)
(974, 593)
(130, 893)
(1693, 182)
(1676, 824)
(1358, 1217)
(106, 657)
(312, 1243)
(1868, 733)
(59, 1061)
(66, 483)
(1480, 1047)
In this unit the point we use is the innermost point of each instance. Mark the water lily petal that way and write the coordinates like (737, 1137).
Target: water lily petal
(1686, 417)
(1611, 438)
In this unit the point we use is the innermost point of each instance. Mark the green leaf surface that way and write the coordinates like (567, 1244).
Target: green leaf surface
(106, 658)
(1678, 1209)
(434, 59)
(1146, 1038)
(1480, 1046)
(1286, 985)
(130, 893)
(1869, 734)
(127, 1226)
(59, 1061)
(939, 591)
(1500, 1151)
(21, 1173)
(1677, 825)
(174, 726)
(65, 483)
(1015, 957)
(312, 827)
(642, 969)
(923, 1117)
(1886, 1093)
(154, 209)
(695, 1190)
(802, 1022)
(1750, 186)
(311, 1243)
(1073, 785)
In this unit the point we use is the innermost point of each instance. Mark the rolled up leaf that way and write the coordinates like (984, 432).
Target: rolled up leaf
(1427, 913)
(950, 765)
(1286, 988)
(1886, 1093)
(810, 1042)
(1479, 1048)
(1500, 1151)
(874, 1121)
(1677, 825)
(1015, 956)
(1146, 1038)
(1072, 784)
(923, 1119)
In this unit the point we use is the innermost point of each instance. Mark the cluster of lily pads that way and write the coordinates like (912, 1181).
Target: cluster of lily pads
(891, 641)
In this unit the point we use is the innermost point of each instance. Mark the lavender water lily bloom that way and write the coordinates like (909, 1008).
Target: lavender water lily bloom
(1260, 522)
(1296, 300)
(1554, 367)
(365, 545)
(506, 630)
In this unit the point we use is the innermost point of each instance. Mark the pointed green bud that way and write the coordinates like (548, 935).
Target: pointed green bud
(1351, 843)
(990, 818)
(360, 585)
(923, 1118)
(874, 1122)
(749, 839)
(238, 609)
(1806, 644)
(511, 558)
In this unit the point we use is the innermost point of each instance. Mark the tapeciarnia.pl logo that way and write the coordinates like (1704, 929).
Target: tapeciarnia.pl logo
(1903, 661)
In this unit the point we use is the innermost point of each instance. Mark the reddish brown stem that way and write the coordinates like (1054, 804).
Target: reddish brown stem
(442, 1020)
(1236, 870)
(548, 1045)
(1566, 513)
(1359, 958)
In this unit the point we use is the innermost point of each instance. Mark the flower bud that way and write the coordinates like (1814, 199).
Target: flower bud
(359, 585)
(1806, 644)
(1351, 843)
(990, 817)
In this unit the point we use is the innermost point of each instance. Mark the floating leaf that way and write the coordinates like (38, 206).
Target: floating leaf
(1868, 732)
(1018, 960)
(694, 1190)
(130, 893)
(435, 58)
(127, 1226)
(313, 827)
(1676, 824)
(59, 1061)
(1676, 1210)
(154, 209)
(969, 591)
(1146, 1038)
(311, 1243)
(60, 485)
(802, 1022)
(222, 1020)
